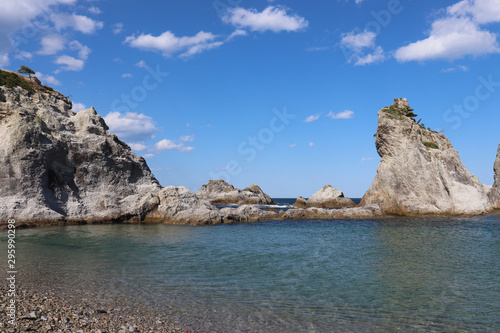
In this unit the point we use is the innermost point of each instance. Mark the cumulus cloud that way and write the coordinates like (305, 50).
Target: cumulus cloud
(237, 32)
(117, 28)
(347, 114)
(24, 55)
(69, 63)
(95, 10)
(52, 44)
(83, 50)
(169, 44)
(167, 144)
(187, 138)
(272, 18)
(138, 146)
(131, 126)
(141, 64)
(78, 106)
(457, 34)
(312, 118)
(48, 79)
(360, 48)
(76, 22)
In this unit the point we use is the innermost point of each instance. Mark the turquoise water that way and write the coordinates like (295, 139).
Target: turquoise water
(408, 275)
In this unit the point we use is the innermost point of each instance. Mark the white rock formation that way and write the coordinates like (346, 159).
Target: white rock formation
(420, 173)
(219, 192)
(326, 197)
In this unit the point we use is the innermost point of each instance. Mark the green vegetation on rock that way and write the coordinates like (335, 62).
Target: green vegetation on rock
(400, 111)
(431, 145)
(11, 80)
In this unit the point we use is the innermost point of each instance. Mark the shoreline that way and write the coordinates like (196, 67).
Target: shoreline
(41, 310)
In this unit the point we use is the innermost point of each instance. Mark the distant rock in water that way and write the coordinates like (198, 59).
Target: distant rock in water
(420, 173)
(219, 192)
(326, 197)
(58, 165)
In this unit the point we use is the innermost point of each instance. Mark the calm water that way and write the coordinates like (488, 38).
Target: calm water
(408, 275)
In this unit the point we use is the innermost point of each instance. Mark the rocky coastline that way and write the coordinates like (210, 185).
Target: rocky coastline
(61, 167)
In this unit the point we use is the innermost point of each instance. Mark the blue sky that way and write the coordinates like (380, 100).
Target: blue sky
(283, 94)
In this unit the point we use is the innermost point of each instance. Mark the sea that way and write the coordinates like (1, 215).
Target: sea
(396, 274)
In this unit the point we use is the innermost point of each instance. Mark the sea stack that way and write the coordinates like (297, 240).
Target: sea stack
(59, 165)
(219, 192)
(420, 173)
(327, 197)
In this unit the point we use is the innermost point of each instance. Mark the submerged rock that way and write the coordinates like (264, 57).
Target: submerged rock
(420, 173)
(58, 165)
(219, 192)
(326, 197)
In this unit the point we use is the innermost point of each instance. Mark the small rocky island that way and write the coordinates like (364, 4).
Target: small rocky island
(63, 167)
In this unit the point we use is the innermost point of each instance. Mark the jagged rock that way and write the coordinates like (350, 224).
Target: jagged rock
(366, 212)
(494, 192)
(326, 197)
(58, 165)
(219, 192)
(247, 213)
(178, 205)
(420, 173)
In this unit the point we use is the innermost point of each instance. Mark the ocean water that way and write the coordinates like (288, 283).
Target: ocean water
(382, 275)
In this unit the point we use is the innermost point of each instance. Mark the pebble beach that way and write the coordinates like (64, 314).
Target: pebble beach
(45, 311)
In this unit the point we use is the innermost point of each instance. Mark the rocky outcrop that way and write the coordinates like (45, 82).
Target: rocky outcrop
(420, 173)
(494, 192)
(219, 192)
(326, 197)
(58, 165)
(366, 212)
(178, 205)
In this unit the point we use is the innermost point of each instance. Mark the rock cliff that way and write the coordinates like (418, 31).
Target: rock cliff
(326, 197)
(56, 164)
(494, 193)
(420, 173)
(219, 192)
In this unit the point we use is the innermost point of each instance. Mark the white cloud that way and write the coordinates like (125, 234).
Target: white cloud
(117, 28)
(187, 138)
(450, 38)
(456, 69)
(126, 75)
(80, 23)
(293, 145)
(52, 44)
(272, 18)
(95, 10)
(23, 55)
(457, 34)
(16, 14)
(311, 144)
(47, 79)
(131, 126)
(169, 44)
(237, 32)
(148, 156)
(358, 1)
(83, 50)
(347, 114)
(364, 159)
(141, 64)
(78, 106)
(70, 63)
(482, 11)
(4, 59)
(166, 144)
(138, 146)
(118, 60)
(360, 48)
(312, 118)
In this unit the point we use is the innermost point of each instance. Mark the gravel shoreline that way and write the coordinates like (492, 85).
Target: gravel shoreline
(45, 311)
